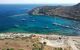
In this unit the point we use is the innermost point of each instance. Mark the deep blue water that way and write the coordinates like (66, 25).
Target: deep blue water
(14, 18)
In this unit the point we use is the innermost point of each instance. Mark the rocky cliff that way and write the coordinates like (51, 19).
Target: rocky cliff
(72, 12)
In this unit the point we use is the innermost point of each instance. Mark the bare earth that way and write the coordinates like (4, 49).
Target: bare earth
(33, 42)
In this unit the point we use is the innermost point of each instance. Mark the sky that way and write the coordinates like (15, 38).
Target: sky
(39, 1)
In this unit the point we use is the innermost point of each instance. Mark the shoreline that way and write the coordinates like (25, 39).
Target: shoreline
(8, 35)
(69, 18)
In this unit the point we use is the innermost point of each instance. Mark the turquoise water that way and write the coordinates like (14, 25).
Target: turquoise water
(44, 24)
(14, 18)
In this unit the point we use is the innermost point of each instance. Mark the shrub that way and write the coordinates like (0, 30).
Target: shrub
(3, 49)
(11, 49)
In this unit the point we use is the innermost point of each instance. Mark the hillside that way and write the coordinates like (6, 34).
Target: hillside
(72, 12)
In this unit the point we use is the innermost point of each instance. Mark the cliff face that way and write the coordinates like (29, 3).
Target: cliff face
(64, 11)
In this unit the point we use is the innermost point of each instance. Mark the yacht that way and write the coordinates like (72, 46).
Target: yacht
(33, 20)
(23, 19)
(74, 21)
(77, 28)
(67, 26)
(55, 23)
(73, 27)
(46, 27)
(60, 25)
(16, 25)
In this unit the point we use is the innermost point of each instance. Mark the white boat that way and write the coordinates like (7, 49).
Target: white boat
(16, 25)
(67, 26)
(46, 27)
(23, 19)
(33, 20)
(74, 21)
(55, 23)
(59, 24)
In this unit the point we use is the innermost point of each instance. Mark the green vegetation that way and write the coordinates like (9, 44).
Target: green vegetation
(4, 49)
(37, 46)
(11, 49)
(58, 49)
(36, 49)
(8, 49)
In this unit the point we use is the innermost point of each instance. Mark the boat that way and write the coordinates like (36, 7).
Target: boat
(23, 19)
(76, 28)
(79, 29)
(16, 25)
(67, 26)
(55, 23)
(74, 21)
(60, 25)
(33, 20)
(46, 27)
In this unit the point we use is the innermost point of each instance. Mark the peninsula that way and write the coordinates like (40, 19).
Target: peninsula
(72, 12)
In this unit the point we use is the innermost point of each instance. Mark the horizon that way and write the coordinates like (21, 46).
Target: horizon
(39, 1)
(63, 4)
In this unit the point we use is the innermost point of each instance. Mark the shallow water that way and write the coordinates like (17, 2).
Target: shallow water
(44, 24)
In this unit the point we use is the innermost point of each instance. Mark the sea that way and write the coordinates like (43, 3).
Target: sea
(15, 18)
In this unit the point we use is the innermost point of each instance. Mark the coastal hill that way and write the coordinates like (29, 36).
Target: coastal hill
(72, 12)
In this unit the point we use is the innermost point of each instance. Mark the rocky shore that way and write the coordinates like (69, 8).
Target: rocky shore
(72, 12)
